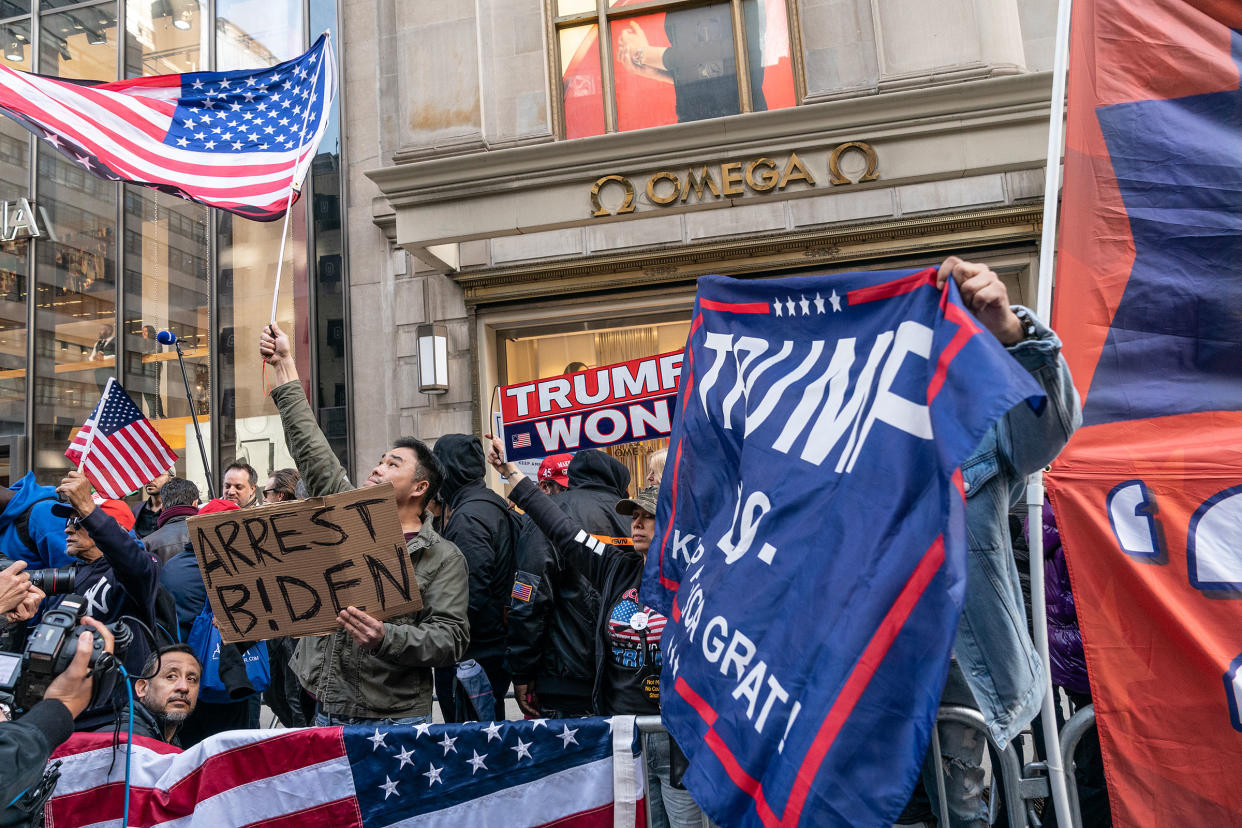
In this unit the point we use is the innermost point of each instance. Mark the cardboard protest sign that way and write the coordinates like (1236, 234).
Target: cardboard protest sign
(289, 568)
(598, 407)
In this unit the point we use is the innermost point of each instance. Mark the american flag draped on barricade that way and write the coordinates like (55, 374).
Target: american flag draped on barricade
(225, 139)
(117, 448)
(574, 773)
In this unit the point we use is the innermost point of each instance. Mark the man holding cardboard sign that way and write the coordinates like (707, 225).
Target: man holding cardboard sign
(369, 669)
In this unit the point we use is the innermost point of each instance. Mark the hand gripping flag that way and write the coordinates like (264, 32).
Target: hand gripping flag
(1148, 494)
(579, 773)
(235, 140)
(117, 448)
(809, 546)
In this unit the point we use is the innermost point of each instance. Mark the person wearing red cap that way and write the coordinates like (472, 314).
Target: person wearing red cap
(115, 575)
(554, 474)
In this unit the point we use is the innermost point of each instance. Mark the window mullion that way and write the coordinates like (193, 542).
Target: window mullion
(741, 56)
(605, 65)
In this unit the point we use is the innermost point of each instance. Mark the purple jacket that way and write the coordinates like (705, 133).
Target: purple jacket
(1069, 667)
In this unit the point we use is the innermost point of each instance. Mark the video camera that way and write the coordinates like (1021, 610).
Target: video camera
(60, 581)
(24, 678)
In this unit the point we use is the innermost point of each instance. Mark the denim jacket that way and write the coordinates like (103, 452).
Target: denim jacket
(993, 646)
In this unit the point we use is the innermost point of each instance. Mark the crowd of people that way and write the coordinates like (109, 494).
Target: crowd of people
(538, 593)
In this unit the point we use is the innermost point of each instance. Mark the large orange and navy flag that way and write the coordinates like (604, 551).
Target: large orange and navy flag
(1149, 304)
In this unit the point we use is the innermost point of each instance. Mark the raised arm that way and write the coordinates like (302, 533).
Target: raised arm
(311, 451)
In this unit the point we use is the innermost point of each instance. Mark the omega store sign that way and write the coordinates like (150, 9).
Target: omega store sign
(853, 162)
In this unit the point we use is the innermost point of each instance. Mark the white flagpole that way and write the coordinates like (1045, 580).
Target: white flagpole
(94, 422)
(293, 175)
(1057, 777)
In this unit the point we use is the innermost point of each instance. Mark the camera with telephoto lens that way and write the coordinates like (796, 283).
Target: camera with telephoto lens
(60, 581)
(24, 677)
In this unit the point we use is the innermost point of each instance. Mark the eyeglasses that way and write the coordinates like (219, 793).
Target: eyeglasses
(74, 523)
(282, 492)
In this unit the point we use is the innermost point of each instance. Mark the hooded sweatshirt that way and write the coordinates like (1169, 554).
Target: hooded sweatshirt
(45, 529)
(479, 525)
(554, 606)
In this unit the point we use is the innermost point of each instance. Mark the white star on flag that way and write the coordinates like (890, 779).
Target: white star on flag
(492, 731)
(819, 303)
(522, 749)
(448, 744)
(421, 729)
(377, 739)
(566, 736)
(433, 775)
(389, 787)
(835, 300)
(476, 762)
(404, 756)
(806, 306)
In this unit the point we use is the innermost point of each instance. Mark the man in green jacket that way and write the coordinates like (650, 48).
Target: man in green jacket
(371, 670)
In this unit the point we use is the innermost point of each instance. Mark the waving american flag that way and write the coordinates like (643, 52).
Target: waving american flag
(117, 448)
(225, 139)
(572, 773)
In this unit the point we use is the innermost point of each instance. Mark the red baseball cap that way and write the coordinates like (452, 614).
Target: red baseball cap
(217, 505)
(555, 468)
(117, 509)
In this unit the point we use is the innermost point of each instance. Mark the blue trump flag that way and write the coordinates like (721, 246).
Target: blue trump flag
(809, 547)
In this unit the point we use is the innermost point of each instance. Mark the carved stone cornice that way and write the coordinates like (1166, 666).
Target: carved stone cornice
(837, 245)
(929, 111)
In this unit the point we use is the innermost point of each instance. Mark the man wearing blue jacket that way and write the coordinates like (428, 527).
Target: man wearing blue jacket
(28, 530)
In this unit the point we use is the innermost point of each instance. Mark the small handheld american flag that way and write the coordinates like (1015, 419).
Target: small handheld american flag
(117, 448)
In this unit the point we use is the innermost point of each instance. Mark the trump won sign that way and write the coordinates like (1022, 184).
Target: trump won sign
(598, 407)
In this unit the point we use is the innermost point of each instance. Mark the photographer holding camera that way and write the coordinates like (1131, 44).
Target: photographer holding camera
(27, 745)
(115, 575)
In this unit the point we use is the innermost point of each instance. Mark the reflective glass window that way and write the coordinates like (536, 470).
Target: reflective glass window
(14, 281)
(676, 65)
(253, 34)
(165, 37)
(15, 37)
(167, 288)
(79, 44)
(75, 322)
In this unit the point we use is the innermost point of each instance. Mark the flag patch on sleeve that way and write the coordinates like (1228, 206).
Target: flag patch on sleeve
(522, 592)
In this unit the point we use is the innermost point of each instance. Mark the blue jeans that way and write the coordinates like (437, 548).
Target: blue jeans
(323, 719)
(670, 807)
(961, 751)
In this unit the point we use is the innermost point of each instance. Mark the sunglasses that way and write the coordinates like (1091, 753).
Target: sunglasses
(74, 523)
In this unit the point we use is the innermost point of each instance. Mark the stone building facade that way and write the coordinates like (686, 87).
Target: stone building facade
(909, 130)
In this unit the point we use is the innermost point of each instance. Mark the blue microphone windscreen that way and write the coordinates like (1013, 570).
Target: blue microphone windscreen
(166, 337)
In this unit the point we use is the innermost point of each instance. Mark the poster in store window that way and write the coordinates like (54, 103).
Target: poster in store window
(676, 66)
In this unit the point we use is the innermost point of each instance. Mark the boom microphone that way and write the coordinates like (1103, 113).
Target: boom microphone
(166, 338)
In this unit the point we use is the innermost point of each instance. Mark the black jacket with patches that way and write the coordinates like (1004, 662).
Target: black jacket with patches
(552, 635)
(480, 526)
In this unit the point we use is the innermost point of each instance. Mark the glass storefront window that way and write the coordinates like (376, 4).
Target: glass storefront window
(75, 321)
(167, 288)
(164, 37)
(14, 269)
(254, 34)
(15, 38)
(529, 358)
(80, 44)
(673, 66)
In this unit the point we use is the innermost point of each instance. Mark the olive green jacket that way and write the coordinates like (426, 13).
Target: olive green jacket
(394, 681)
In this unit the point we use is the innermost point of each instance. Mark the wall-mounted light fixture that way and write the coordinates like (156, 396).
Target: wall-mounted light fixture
(432, 359)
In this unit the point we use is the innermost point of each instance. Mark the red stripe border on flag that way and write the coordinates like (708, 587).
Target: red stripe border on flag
(851, 691)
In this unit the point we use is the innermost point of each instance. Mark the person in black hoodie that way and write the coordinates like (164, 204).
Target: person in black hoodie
(478, 523)
(627, 637)
(553, 605)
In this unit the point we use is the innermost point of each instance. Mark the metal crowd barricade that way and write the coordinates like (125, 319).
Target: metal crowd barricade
(1022, 784)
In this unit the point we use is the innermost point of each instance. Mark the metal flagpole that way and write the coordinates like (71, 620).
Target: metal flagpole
(1057, 776)
(293, 175)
